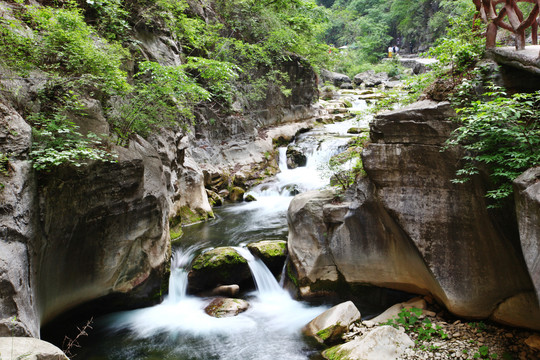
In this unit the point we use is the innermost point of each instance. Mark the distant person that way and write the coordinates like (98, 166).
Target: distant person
(390, 51)
(411, 47)
(395, 50)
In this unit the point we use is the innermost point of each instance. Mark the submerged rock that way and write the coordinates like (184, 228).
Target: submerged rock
(226, 307)
(219, 266)
(328, 327)
(272, 252)
(250, 198)
(382, 343)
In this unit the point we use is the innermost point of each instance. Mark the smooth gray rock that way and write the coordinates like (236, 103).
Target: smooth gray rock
(381, 343)
(108, 222)
(370, 78)
(334, 78)
(527, 197)
(328, 327)
(29, 349)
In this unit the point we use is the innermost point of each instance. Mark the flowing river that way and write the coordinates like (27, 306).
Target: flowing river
(179, 329)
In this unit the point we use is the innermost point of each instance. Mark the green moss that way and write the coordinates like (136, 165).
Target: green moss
(186, 216)
(217, 258)
(176, 232)
(292, 276)
(325, 334)
(336, 353)
(267, 249)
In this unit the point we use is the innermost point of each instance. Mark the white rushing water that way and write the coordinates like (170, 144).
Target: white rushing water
(269, 327)
(179, 328)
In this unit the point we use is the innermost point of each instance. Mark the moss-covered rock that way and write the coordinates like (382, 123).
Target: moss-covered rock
(250, 198)
(236, 194)
(219, 266)
(272, 252)
(213, 198)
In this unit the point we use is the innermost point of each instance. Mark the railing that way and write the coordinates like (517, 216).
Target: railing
(495, 12)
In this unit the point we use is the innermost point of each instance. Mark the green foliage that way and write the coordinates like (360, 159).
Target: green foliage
(57, 140)
(501, 133)
(459, 49)
(483, 353)
(4, 164)
(68, 44)
(109, 17)
(409, 319)
(167, 95)
(58, 143)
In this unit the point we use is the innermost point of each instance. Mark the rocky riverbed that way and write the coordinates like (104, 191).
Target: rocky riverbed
(452, 338)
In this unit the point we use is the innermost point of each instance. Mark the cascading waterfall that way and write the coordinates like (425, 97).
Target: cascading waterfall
(179, 328)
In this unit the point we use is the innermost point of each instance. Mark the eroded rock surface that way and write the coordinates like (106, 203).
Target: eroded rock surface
(408, 227)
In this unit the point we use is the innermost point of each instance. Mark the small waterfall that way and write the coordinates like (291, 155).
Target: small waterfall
(178, 280)
(264, 279)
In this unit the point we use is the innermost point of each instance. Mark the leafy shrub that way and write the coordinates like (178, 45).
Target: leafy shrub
(347, 166)
(409, 319)
(68, 44)
(58, 143)
(501, 133)
(167, 95)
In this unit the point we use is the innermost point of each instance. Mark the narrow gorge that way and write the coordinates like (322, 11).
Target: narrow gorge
(214, 190)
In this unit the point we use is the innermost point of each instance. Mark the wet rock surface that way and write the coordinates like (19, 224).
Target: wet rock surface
(226, 307)
(272, 252)
(219, 266)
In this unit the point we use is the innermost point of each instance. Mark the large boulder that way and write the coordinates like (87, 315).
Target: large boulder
(527, 196)
(29, 349)
(370, 78)
(381, 343)
(329, 327)
(295, 157)
(334, 78)
(408, 227)
(219, 266)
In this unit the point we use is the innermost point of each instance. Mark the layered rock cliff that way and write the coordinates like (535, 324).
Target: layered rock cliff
(406, 226)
